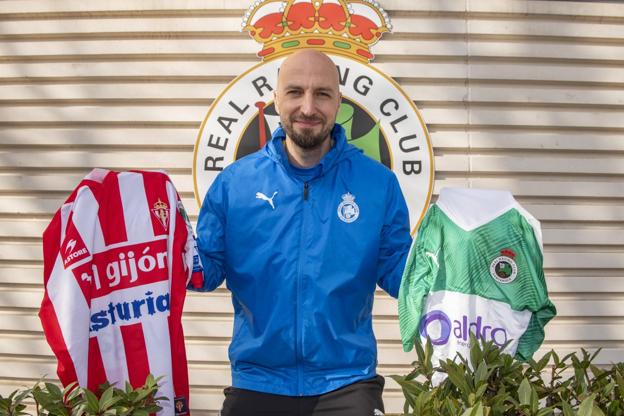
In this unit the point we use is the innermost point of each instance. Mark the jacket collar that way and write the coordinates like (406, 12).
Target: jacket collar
(275, 149)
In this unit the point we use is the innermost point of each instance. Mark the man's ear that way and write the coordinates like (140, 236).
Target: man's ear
(275, 102)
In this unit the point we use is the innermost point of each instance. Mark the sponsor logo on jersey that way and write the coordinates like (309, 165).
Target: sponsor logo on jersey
(439, 327)
(73, 248)
(161, 212)
(124, 267)
(504, 269)
(348, 210)
(377, 115)
(130, 311)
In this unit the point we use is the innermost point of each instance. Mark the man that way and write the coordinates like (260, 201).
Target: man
(302, 231)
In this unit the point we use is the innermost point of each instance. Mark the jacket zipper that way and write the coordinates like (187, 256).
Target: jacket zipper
(299, 333)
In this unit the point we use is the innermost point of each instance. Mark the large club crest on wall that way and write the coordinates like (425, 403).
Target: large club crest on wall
(377, 115)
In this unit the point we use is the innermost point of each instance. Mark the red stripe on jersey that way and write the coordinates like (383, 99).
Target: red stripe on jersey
(97, 374)
(177, 296)
(112, 215)
(51, 246)
(49, 321)
(179, 367)
(158, 201)
(136, 354)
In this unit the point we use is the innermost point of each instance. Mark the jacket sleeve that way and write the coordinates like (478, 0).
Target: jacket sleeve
(211, 235)
(395, 240)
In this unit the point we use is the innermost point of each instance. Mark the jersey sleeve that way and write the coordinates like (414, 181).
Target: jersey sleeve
(418, 276)
(65, 309)
(211, 235)
(543, 309)
(395, 241)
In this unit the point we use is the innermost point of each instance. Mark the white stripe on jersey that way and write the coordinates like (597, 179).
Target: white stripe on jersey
(158, 345)
(137, 213)
(113, 355)
(86, 220)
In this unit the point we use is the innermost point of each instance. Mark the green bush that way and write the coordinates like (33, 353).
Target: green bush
(50, 400)
(493, 383)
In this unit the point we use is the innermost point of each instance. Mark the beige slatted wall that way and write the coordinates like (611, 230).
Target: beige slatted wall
(519, 95)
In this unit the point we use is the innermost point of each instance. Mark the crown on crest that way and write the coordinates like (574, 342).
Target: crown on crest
(508, 252)
(343, 27)
(160, 205)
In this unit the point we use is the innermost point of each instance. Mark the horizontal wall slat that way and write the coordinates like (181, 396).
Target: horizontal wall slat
(440, 69)
(178, 137)
(385, 330)
(571, 234)
(561, 281)
(502, 25)
(483, 6)
(220, 302)
(192, 116)
(113, 94)
(561, 210)
(199, 353)
(242, 45)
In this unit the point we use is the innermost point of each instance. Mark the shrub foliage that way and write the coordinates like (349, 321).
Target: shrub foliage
(492, 383)
(50, 400)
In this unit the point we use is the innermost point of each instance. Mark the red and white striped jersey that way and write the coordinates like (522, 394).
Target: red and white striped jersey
(117, 258)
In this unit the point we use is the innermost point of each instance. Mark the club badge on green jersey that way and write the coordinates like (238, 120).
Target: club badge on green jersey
(504, 269)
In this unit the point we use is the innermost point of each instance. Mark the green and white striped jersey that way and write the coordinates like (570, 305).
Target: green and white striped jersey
(475, 266)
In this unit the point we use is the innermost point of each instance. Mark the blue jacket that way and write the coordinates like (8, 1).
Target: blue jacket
(303, 279)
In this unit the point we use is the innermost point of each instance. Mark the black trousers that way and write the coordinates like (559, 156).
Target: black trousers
(358, 399)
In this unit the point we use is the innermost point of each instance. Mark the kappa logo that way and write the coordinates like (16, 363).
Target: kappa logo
(348, 210)
(377, 115)
(260, 195)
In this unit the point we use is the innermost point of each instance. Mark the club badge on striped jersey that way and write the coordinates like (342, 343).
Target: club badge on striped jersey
(377, 115)
(161, 212)
(181, 406)
(504, 269)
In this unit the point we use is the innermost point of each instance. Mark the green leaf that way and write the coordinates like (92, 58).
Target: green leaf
(482, 373)
(524, 392)
(543, 362)
(54, 390)
(587, 406)
(546, 411)
(476, 410)
(567, 409)
(93, 404)
(456, 375)
(597, 411)
(79, 410)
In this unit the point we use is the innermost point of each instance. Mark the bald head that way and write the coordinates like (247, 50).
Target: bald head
(307, 99)
(309, 61)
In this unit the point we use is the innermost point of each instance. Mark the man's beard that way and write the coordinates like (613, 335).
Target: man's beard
(306, 139)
